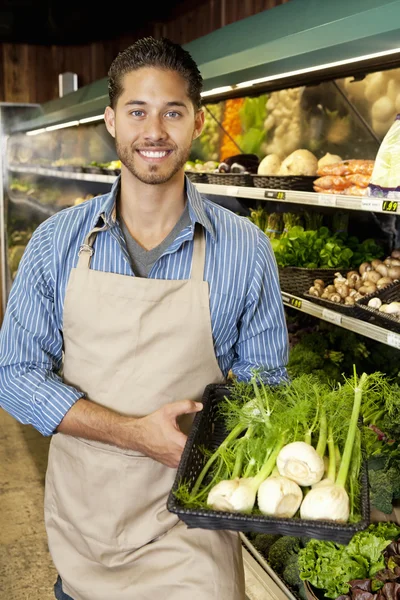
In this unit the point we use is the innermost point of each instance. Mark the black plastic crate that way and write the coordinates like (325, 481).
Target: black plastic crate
(388, 294)
(208, 432)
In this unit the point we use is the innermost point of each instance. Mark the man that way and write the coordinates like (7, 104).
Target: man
(142, 296)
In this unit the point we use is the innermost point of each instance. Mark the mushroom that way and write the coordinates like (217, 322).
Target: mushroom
(353, 276)
(358, 296)
(319, 282)
(314, 291)
(373, 276)
(365, 266)
(394, 273)
(394, 262)
(339, 279)
(343, 290)
(326, 294)
(349, 301)
(375, 303)
(383, 282)
(365, 290)
(335, 298)
(352, 293)
(375, 263)
(359, 284)
(382, 269)
(396, 254)
(331, 289)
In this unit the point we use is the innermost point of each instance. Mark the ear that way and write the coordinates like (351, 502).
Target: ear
(198, 123)
(109, 118)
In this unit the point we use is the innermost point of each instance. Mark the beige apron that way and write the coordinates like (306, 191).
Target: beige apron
(133, 345)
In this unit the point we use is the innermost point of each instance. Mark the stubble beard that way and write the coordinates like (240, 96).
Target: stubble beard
(151, 174)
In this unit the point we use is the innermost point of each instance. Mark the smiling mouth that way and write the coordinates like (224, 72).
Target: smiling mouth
(154, 154)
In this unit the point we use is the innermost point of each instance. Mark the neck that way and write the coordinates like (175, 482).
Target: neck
(151, 211)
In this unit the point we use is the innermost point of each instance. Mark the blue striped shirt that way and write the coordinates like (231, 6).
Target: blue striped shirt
(248, 324)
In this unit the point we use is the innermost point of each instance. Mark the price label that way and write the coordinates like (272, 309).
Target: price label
(274, 195)
(331, 316)
(393, 339)
(232, 190)
(326, 200)
(295, 302)
(390, 205)
(371, 204)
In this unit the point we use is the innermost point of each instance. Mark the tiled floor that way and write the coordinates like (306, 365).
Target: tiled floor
(26, 570)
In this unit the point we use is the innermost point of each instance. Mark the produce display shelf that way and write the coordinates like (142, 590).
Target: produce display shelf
(259, 572)
(259, 584)
(290, 196)
(305, 198)
(379, 334)
(47, 210)
(63, 174)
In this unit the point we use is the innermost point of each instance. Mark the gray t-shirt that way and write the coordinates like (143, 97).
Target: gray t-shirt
(143, 260)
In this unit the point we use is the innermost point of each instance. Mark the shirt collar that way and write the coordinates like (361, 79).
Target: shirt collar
(108, 216)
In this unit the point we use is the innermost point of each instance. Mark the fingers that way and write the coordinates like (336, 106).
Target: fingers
(183, 407)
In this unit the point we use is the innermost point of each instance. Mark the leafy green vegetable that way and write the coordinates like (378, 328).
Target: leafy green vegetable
(322, 248)
(330, 566)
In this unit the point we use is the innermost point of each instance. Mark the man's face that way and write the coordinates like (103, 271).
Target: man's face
(154, 124)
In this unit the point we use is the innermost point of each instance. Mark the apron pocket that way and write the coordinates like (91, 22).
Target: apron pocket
(109, 496)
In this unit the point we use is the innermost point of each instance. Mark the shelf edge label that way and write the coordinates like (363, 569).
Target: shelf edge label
(390, 205)
(393, 339)
(326, 200)
(331, 316)
(271, 195)
(368, 203)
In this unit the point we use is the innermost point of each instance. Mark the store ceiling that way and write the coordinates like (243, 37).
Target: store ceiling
(64, 22)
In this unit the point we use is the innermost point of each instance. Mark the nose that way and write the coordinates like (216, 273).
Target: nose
(155, 129)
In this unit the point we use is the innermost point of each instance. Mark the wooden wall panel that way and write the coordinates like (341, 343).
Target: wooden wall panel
(29, 73)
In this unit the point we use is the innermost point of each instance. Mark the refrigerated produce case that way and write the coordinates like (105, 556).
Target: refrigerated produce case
(303, 88)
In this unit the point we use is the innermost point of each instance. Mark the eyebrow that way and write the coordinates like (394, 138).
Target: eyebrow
(142, 103)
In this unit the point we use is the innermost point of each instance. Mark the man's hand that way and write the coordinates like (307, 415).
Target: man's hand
(158, 435)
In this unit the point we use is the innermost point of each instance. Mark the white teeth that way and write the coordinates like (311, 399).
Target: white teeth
(153, 154)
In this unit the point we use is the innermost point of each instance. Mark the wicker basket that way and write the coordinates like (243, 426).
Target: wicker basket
(388, 294)
(70, 169)
(284, 182)
(298, 280)
(197, 176)
(208, 432)
(349, 310)
(94, 170)
(240, 179)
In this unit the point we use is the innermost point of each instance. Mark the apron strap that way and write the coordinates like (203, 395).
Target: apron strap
(199, 253)
(86, 250)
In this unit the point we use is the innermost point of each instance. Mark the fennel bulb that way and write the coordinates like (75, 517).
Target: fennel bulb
(279, 497)
(327, 501)
(239, 495)
(233, 495)
(301, 463)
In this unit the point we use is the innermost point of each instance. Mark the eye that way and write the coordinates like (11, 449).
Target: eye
(173, 114)
(137, 113)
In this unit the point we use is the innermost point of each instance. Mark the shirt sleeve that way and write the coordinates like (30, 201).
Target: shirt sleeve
(31, 344)
(263, 343)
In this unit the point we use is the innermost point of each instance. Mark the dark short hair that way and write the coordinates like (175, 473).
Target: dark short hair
(160, 53)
